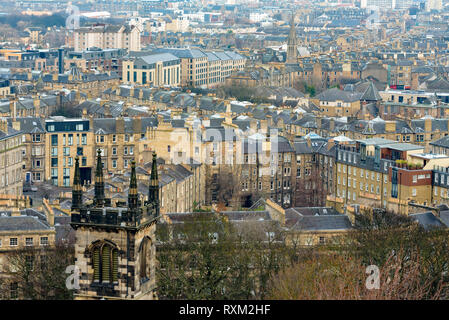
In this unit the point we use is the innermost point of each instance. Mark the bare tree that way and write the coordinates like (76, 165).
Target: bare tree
(207, 257)
(413, 263)
(337, 277)
(39, 274)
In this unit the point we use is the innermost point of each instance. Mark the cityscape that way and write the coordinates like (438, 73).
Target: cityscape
(224, 150)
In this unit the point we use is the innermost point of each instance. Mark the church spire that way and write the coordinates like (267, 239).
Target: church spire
(77, 193)
(99, 182)
(292, 43)
(132, 193)
(153, 194)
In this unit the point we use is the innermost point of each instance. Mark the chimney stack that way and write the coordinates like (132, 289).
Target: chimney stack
(137, 125)
(16, 125)
(120, 125)
(428, 125)
(390, 126)
(330, 144)
(264, 126)
(13, 108)
(332, 125)
(4, 125)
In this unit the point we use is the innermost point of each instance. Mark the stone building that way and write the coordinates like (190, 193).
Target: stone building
(66, 139)
(267, 171)
(315, 163)
(107, 37)
(205, 69)
(418, 131)
(381, 173)
(5, 88)
(11, 154)
(21, 230)
(115, 242)
(34, 133)
(118, 139)
(95, 58)
(338, 103)
(153, 70)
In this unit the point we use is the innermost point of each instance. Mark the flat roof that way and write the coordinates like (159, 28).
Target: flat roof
(402, 146)
(376, 141)
(429, 156)
(415, 92)
(64, 119)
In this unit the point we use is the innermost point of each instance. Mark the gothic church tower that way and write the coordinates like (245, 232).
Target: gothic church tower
(292, 43)
(115, 244)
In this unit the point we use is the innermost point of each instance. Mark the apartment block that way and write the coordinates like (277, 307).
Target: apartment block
(384, 173)
(117, 139)
(95, 59)
(338, 103)
(34, 133)
(67, 139)
(11, 159)
(107, 37)
(155, 70)
(205, 69)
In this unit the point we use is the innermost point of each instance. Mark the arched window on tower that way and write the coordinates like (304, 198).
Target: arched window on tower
(145, 259)
(105, 263)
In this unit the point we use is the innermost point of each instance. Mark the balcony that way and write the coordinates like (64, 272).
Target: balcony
(404, 164)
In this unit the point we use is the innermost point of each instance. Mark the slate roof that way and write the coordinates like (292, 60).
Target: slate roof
(323, 222)
(427, 220)
(442, 142)
(255, 145)
(182, 53)
(247, 215)
(422, 69)
(335, 94)
(109, 125)
(371, 126)
(301, 147)
(312, 211)
(219, 134)
(64, 232)
(11, 132)
(162, 96)
(243, 124)
(184, 100)
(22, 223)
(439, 84)
(30, 124)
(94, 107)
(371, 93)
(444, 216)
(160, 57)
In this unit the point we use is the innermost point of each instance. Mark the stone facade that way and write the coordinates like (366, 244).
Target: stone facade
(115, 244)
(11, 153)
(107, 37)
(129, 244)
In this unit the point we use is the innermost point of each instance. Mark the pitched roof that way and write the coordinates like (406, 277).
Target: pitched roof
(22, 223)
(323, 222)
(371, 93)
(335, 94)
(427, 220)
